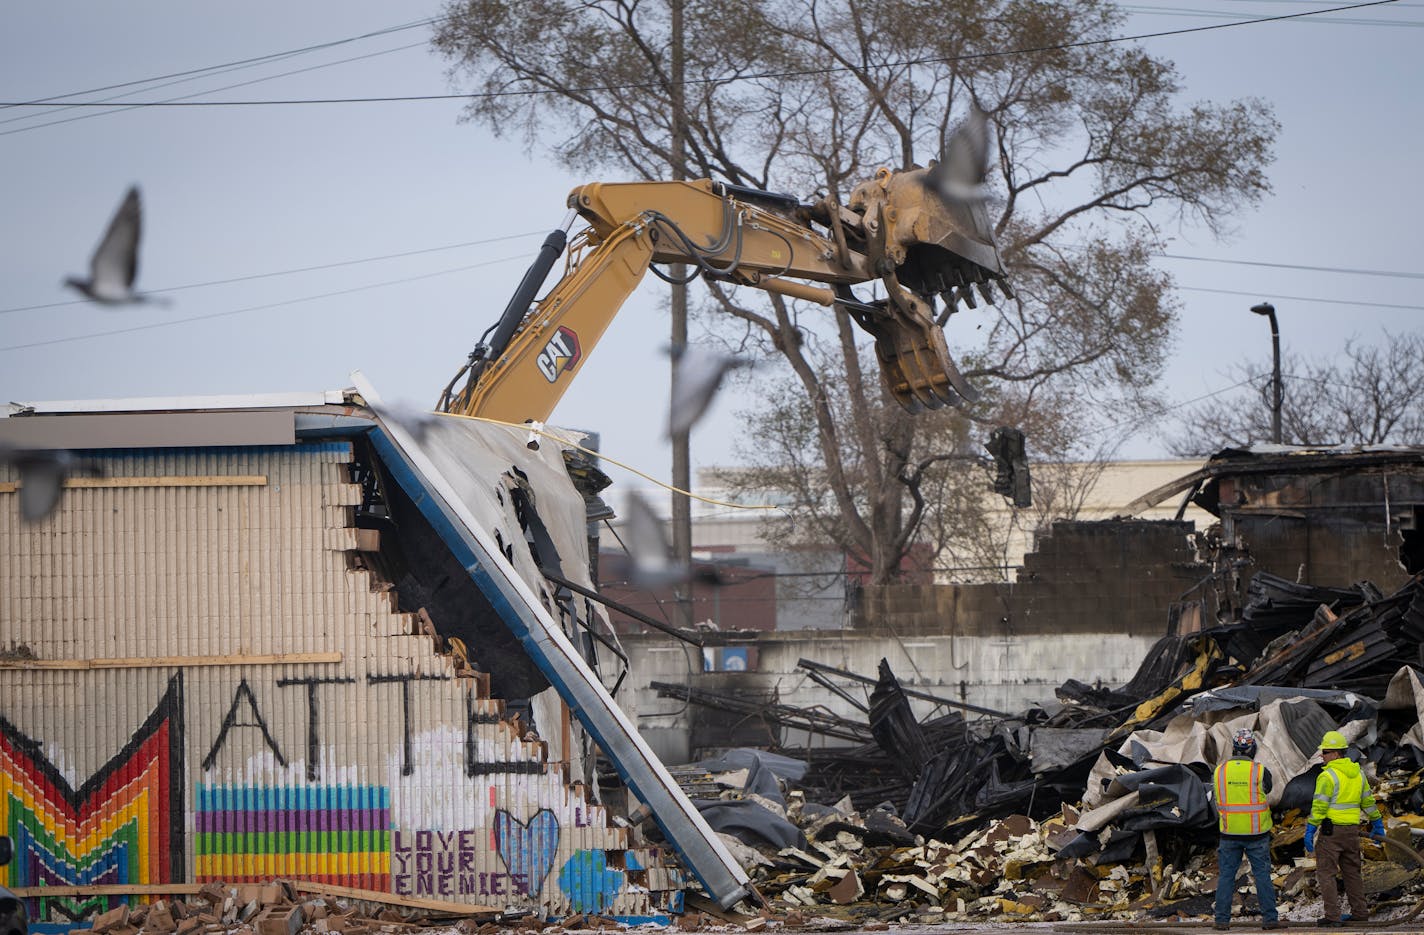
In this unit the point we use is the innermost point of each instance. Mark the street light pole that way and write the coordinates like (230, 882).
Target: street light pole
(1269, 310)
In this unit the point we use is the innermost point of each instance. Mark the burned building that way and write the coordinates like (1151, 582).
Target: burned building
(285, 637)
(1327, 516)
(1087, 604)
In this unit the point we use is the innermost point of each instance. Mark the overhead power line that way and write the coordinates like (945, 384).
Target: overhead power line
(459, 269)
(1136, 421)
(227, 65)
(1304, 266)
(252, 308)
(1217, 14)
(796, 73)
(1304, 298)
(408, 253)
(290, 272)
(119, 108)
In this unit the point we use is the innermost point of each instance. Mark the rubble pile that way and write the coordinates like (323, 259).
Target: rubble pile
(1097, 806)
(1015, 869)
(281, 908)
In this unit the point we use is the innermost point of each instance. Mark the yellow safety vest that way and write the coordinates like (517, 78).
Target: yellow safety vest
(1341, 794)
(1241, 805)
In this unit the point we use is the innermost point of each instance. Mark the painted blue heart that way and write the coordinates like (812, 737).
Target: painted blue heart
(588, 883)
(527, 849)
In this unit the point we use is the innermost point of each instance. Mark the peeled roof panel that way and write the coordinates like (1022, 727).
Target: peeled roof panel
(452, 473)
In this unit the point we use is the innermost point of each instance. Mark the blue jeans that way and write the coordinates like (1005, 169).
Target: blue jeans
(1228, 857)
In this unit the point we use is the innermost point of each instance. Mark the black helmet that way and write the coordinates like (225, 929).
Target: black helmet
(1243, 743)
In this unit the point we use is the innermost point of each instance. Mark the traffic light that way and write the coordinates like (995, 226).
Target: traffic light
(1007, 446)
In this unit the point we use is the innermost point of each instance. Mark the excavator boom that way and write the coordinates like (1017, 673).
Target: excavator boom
(894, 230)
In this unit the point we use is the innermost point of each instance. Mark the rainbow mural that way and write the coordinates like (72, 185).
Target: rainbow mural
(327, 834)
(123, 825)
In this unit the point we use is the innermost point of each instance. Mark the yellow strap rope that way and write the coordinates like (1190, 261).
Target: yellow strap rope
(526, 427)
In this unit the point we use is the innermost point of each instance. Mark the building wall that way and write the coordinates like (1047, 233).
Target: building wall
(1332, 528)
(1108, 576)
(738, 595)
(1094, 491)
(198, 681)
(812, 588)
(1102, 491)
(1088, 605)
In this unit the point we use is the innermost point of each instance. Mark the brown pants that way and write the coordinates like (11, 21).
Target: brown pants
(1340, 853)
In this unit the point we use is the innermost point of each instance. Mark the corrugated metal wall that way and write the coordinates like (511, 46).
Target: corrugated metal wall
(197, 685)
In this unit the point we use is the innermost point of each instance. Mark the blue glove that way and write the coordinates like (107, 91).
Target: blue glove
(1377, 828)
(1310, 837)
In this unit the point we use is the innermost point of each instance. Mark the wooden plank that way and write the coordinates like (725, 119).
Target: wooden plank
(301, 886)
(109, 889)
(700, 903)
(184, 662)
(392, 899)
(194, 480)
(1154, 867)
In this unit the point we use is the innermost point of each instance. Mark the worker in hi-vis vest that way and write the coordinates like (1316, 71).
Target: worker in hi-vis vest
(1342, 802)
(1239, 788)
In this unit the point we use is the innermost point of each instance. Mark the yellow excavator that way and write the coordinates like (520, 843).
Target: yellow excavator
(896, 228)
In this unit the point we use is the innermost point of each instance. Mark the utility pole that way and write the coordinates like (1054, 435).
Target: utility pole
(681, 449)
(1269, 310)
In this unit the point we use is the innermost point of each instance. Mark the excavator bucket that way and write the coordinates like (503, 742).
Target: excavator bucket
(922, 244)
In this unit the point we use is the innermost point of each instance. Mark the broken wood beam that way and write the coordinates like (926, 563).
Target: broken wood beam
(113, 483)
(395, 899)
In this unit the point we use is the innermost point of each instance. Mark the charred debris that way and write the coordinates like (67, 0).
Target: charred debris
(1094, 806)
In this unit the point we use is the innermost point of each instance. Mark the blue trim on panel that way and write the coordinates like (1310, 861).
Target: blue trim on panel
(429, 503)
(642, 920)
(306, 447)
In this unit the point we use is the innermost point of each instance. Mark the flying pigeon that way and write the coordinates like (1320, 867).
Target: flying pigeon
(649, 552)
(114, 265)
(960, 175)
(420, 423)
(696, 378)
(42, 476)
(651, 565)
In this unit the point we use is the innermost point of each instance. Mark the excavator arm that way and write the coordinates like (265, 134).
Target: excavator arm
(894, 229)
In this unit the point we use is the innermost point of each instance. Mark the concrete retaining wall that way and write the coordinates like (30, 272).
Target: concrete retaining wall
(1004, 672)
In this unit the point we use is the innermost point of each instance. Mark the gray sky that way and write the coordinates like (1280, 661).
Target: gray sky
(238, 192)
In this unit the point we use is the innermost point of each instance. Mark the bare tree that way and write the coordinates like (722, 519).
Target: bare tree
(951, 524)
(1369, 395)
(1094, 157)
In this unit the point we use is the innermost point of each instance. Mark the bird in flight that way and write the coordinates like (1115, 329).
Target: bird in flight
(696, 379)
(960, 175)
(114, 266)
(651, 563)
(42, 476)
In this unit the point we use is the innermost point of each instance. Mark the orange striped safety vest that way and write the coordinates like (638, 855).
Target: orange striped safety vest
(1241, 805)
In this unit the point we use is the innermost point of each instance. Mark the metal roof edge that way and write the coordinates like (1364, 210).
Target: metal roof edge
(177, 403)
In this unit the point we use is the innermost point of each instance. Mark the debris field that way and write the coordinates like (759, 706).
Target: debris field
(1094, 808)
